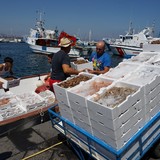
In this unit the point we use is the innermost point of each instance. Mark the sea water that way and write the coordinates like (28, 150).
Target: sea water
(27, 63)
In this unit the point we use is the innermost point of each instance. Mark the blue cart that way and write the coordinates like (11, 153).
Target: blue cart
(81, 140)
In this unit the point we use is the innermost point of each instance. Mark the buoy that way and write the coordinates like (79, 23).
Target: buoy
(39, 82)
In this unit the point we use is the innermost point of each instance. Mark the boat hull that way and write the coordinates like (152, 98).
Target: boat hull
(51, 50)
(24, 122)
(125, 51)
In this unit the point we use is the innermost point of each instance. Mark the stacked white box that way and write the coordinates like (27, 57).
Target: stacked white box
(30, 101)
(147, 76)
(141, 58)
(62, 97)
(87, 65)
(148, 133)
(154, 61)
(11, 108)
(151, 48)
(121, 70)
(117, 125)
(77, 98)
(10, 83)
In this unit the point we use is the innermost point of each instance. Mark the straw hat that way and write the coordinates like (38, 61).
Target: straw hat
(65, 42)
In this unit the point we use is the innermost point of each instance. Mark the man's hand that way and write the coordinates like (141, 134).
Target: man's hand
(1, 83)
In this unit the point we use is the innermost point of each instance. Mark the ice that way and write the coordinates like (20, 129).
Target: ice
(121, 70)
(141, 58)
(91, 88)
(114, 96)
(154, 61)
(143, 76)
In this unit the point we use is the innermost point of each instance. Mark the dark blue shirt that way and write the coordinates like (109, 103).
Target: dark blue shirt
(58, 60)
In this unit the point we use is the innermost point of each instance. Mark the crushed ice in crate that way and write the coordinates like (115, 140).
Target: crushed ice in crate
(92, 88)
(141, 58)
(143, 76)
(121, 70)
(114, 96)
(154, 60)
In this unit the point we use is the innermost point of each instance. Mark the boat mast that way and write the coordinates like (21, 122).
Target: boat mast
(130, 30)
(40, 22)
(90, 33)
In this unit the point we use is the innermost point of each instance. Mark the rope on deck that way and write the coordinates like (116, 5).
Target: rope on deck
(44, 150)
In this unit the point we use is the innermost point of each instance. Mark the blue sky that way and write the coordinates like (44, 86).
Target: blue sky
(105, 18)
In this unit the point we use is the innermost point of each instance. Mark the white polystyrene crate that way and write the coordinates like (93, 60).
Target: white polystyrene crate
(151, 103)
(65, 111)
(142, 76)
(151, 85)
(116, 144)
(121, 70)
(154, 111)
(148, 133)
(87, 65)
(136, 120)
(151, 48)
(141, 58)
(82, 123)
(10, 83)
(115, 112)
(12, 112)
(155, 61)
(84, 118)
(153, 98)
(30, 101)
(91, 86)
(61, 93)
(77, 95)
(4, 107)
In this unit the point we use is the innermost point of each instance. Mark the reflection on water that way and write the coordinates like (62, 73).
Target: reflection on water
(28, 63)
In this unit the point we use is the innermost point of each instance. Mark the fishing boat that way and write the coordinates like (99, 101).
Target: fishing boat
(132, 43)
(45, 41)
(21, 107)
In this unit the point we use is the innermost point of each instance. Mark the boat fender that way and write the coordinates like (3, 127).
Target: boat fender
(39, 82)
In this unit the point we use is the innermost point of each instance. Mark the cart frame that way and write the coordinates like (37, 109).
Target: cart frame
(81, 139)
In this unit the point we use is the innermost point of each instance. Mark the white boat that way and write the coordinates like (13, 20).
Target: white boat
(131, 44)
(24, 107)
(45, 41)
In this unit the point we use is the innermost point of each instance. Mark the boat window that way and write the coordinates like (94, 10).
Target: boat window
(47, 42)
(128, 37)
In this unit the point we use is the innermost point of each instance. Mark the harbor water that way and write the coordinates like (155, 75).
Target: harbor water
(27, 63)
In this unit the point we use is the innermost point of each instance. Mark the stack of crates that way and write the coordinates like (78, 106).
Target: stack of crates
(115, 126)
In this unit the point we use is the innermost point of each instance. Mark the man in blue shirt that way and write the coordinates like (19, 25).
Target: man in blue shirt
(101, 60)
